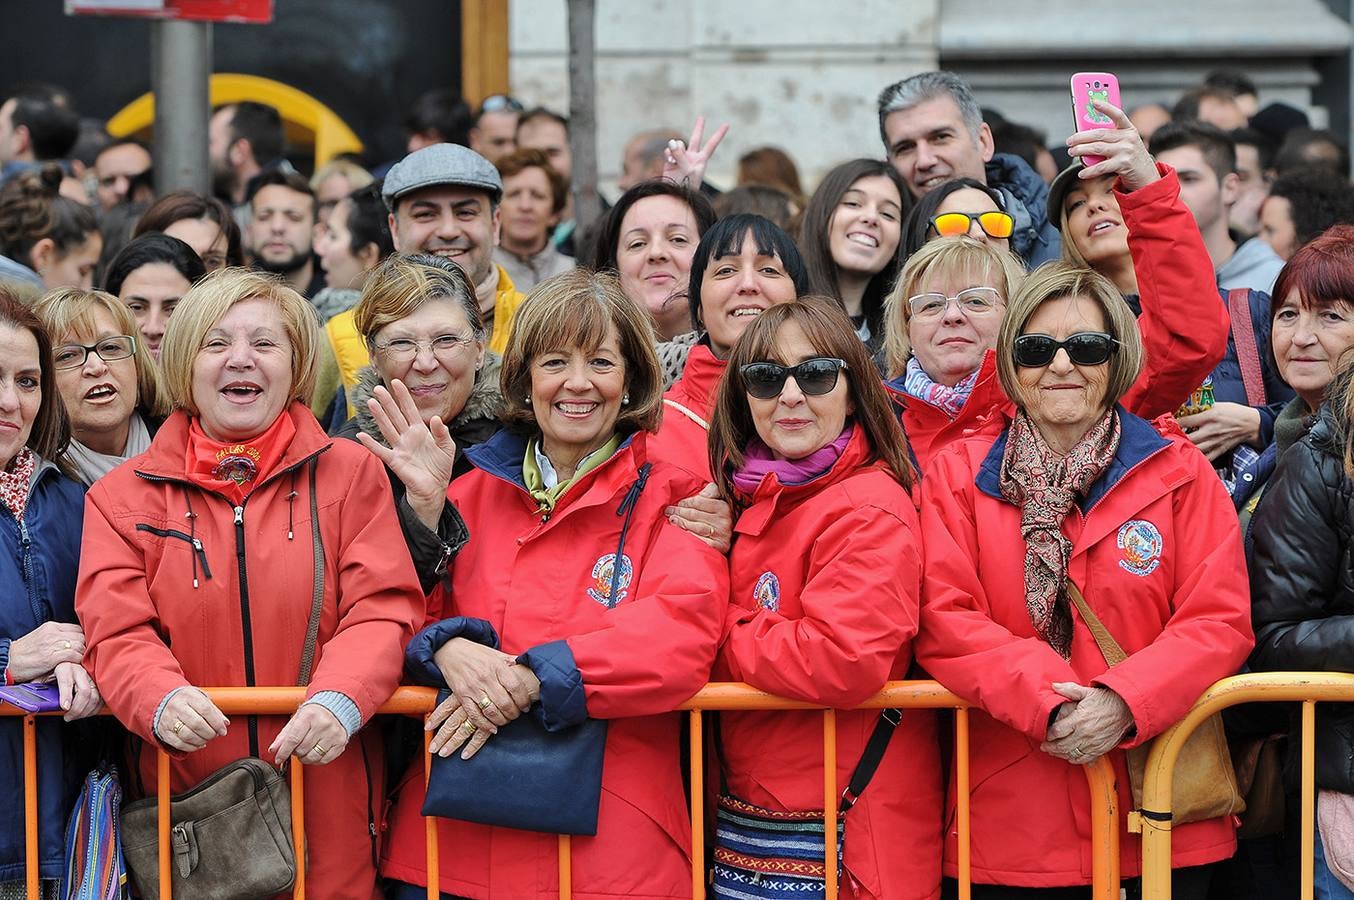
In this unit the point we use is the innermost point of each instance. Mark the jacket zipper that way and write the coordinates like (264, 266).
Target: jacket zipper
(183, 536)
(246, 625)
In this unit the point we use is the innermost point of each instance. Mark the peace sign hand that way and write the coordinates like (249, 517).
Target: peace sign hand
(686, 162)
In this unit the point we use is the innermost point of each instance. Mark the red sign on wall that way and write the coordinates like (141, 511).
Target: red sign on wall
(254, 11)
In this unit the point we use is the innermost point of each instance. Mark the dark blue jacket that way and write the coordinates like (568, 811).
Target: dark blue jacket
(38, 563)
(1035, 239)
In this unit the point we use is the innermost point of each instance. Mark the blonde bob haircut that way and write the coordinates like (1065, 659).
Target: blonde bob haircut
(574, 311)
(1053, 281)
(959, 257)
(203, 306)
(400, 285)
(68, 315)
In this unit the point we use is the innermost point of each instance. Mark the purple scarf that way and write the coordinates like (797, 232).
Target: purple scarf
(759, 461)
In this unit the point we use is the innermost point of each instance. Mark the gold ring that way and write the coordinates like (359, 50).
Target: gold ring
(485, 702)
(178, 726)
(468, 727)
(318, 749)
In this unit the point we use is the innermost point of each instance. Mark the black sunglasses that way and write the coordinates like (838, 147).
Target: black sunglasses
(1085, 348)
(765, 380)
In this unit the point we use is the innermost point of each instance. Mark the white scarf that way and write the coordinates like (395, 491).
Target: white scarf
(93, 465)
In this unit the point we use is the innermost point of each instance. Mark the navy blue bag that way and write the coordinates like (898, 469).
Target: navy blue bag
(524, 777)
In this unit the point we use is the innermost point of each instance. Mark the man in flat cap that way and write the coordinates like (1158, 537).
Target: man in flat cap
(443, 200)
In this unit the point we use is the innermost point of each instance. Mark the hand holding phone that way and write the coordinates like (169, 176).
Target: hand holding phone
(1088, 87)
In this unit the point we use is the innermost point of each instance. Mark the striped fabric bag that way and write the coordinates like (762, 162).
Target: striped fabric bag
(769, 855)
(94, 866)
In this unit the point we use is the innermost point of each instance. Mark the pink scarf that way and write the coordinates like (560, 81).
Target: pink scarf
(759, 462)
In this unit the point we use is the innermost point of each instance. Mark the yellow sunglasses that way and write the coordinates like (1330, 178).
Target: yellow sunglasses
(995, 224)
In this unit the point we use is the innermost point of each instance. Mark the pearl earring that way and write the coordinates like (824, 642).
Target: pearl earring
(625, 401)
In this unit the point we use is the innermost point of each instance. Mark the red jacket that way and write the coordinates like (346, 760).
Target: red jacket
(137, 598)
(826, 585)
(536, 581)
(1157, 554)
(681, 440)
(1184, 332)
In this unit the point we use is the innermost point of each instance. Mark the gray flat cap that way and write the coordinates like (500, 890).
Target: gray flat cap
(440, 164)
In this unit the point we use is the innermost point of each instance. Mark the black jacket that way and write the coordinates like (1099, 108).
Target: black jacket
(1302, 584)
(432, 551)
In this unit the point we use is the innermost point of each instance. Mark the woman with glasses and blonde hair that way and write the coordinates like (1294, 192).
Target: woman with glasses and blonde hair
(1103, 511)
(245, 548)
(429, 366)
(825, 578)
(107, 379)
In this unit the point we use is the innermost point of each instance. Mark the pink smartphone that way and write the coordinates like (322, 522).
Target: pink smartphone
(1088, 86)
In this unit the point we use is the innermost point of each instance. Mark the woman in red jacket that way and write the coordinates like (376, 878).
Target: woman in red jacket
(1076, 490)
(202, 559)
(596, 606)
(825, 576)
(938, 342)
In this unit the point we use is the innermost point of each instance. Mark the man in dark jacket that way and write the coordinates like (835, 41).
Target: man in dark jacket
(933, 131)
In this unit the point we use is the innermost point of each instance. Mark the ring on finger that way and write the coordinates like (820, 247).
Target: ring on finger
(485, 702)
(468, 727)
(178, 726)
(319, 751)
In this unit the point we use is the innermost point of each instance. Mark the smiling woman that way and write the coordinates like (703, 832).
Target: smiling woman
(149, 275)
(850, 240)
(107, 378)
(243, 504)
(577, 599)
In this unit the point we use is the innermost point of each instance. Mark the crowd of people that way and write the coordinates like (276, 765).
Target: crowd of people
(958, 413)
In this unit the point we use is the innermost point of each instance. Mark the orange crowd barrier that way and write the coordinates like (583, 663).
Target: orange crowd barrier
(411, 701)
(1307, 688)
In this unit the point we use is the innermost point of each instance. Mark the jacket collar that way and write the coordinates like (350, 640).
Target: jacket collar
(502, 456)
(168, 451)
(700, 377)
(986, 393)
(1138, 441)
(771, 495)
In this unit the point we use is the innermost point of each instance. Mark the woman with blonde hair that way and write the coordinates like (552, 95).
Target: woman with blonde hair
(246, 548)
(107, 378)
(1108, 517)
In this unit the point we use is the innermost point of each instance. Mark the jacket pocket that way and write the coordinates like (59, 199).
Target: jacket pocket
(194, 543)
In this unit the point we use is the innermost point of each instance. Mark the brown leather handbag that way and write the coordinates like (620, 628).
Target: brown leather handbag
(1204, 784)
(231, 837)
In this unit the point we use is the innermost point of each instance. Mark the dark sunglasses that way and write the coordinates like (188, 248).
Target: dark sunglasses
(994, 224)
(765, 380)
(1085, 348)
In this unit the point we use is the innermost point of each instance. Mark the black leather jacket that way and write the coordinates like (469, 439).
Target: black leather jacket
(1302, 584)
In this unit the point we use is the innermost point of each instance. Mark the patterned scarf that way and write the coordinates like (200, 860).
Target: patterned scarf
(1045, 485)
(949, 399)
(16, 481)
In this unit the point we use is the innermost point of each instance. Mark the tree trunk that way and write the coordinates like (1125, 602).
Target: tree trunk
(583, 114)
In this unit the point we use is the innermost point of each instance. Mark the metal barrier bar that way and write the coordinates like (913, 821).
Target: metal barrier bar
(31, 807)
(830, 802)
(696, 745)
(298, 826)
(566, 875)
(962, 814)
(412, 701)
(1308, 798)
(1307, 688)
(430, 827)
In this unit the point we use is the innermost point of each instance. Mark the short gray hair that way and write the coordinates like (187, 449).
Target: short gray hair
(918, 89)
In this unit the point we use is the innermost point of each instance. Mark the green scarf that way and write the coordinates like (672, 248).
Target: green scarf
(535, 481)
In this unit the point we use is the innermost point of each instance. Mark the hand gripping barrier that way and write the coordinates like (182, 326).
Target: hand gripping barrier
(1305, 687)
(411, 701)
